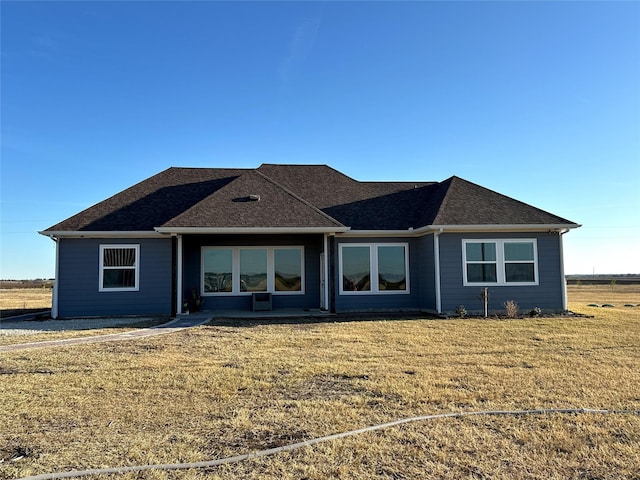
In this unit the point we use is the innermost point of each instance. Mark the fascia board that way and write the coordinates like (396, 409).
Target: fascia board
(380, 233)
(499, 228)
(417, 232)
(102, 234)
(255, 230)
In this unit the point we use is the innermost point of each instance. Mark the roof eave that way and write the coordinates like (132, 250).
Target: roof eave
(535, 227)
(246, 230)
(101, 234)
(420, 231)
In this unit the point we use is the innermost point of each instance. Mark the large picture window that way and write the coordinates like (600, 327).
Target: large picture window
(500, 262)
(374, 268)
(245, 270)
(287, 269)
(392, 267)
(218, 270)
(253, 270)
(356, 268)
(119, 268)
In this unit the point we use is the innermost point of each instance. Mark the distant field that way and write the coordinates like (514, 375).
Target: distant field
(40, 298)
(225, 390)
(601, 294)
(25, 298)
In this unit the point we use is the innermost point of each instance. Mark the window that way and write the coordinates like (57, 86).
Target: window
(374, 268)
(218, 271)
(356, 268)
(519, 262)
(244, 270)
(392, 268)
(287, 269)
(500, 262)
(253, 270)
(481, 262)
(119, 268)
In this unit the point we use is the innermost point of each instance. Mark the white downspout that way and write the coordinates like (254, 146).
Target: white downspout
(54, 296)
(179, 277)
(564, 280)
(436, 254)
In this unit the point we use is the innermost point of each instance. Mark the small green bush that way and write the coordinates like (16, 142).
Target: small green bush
(461, 311)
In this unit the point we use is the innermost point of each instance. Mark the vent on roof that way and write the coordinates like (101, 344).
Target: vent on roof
(248, 198)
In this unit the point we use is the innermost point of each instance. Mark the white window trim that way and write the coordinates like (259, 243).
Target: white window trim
(102, 268)
(235, 269)
(500, 262)
(373, 265)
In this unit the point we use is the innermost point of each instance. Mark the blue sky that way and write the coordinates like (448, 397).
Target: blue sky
(536, 100)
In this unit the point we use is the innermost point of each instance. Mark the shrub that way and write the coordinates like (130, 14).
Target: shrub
(512, 309)
(193, 302)
(536, 312)
(461, 311)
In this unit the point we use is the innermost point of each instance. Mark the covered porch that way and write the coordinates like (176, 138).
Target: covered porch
(282, 313)
(224, 273)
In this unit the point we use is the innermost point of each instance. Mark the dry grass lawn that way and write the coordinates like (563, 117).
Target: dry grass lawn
(23, 298)
(225, 390)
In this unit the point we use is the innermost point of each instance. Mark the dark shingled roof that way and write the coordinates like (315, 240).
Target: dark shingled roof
(466, 203)
(152, 202)
(232, 206)
(294, 196)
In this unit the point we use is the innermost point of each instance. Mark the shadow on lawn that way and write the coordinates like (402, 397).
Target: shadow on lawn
(317, 319)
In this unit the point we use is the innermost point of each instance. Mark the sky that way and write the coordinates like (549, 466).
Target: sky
(539, 101)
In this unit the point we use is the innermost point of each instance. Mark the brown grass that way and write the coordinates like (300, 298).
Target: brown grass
(220, 390)
(25, 298)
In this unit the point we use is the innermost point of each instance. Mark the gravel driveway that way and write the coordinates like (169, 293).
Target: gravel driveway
(33, 327)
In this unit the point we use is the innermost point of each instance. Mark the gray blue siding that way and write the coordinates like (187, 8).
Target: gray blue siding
(79, 295)
(547, 294)
(427, 273)
(79, 278)
(192, 275)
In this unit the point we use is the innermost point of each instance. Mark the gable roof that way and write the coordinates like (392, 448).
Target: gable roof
(295, 197)
(252, 201)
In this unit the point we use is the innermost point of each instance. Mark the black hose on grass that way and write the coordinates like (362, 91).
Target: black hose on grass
(314, 441)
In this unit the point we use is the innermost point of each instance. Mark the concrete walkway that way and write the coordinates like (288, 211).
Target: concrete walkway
(175, 325)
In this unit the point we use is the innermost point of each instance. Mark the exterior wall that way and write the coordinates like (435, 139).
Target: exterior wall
(547, 294)
(79, 277)
(192, 275)
(381, 302)
(427, 273)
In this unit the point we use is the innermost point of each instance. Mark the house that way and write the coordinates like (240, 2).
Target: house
(312, 238)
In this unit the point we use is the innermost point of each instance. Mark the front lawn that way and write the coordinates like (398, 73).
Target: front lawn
(218, 391)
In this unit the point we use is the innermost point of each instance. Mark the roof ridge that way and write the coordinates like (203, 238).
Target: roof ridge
(445, 197)
(297, 197)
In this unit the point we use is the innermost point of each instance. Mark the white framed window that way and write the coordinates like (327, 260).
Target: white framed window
(374, 268)
(217, 268)
(119, 268)
(500, 262)
(231, 270)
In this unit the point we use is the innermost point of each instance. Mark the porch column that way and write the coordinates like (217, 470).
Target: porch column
(436, 254)
(179, 276)
(325, 267)
(56, 281)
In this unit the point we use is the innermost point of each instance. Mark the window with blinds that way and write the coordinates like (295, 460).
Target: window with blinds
(119, 267)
